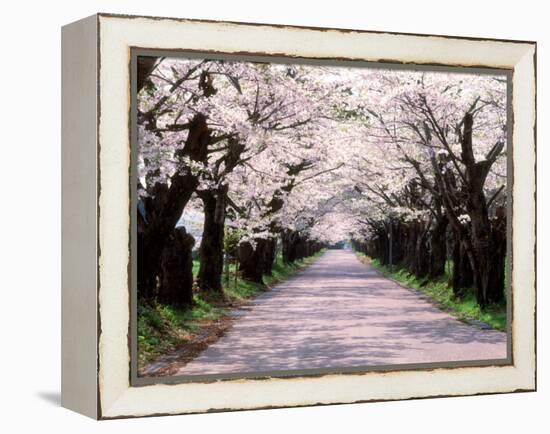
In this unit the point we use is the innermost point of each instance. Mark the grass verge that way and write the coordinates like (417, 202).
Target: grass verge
(465, 308)
(163, 328)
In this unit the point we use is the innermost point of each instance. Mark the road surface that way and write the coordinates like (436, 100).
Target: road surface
(340, 312)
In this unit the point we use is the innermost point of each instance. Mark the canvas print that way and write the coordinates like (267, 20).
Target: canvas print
(295, 217)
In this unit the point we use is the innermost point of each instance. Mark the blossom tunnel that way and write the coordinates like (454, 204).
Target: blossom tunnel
(250, 160)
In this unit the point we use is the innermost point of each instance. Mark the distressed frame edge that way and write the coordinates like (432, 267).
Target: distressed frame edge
(79, 272)
(314, 28)
(419, 396)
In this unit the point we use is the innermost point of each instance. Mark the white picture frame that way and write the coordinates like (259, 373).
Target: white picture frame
(96, 100)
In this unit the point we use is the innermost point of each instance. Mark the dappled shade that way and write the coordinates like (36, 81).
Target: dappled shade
(341, 313)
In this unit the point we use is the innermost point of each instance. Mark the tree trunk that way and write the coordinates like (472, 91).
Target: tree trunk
(412, 237)
(176, 280)
(211, 248)
(438, 244)
(397, 243)
(421, 257)
(462, 275)
(164, 207)
(289, 239)
(162, 219)
(488, 271)
(479, 246)
(301, 248)
(270, 251)
(250, 262)
(498, 257)
(255, 262)
(382, 247)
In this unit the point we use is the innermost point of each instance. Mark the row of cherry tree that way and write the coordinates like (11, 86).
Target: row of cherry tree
(309, 155)
(435, 178)
(249, 144)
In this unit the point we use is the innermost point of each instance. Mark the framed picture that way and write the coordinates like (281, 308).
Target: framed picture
(261, 216)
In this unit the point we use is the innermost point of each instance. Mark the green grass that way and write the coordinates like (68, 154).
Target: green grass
(196, 266)
(465, 308)
(163, 328)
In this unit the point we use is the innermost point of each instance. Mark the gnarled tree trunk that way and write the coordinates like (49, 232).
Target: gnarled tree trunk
(421, 257)
(211, 249)
(289, 239)
(250, 261)
(479, 246)
(438, 247)
(462, 276)
(485, 275)
(176, 279)
(270, 252)
(164, 208)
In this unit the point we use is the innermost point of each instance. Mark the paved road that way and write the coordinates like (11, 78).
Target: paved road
(340, 312)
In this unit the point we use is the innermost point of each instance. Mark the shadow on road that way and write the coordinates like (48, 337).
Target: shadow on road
(341, 313)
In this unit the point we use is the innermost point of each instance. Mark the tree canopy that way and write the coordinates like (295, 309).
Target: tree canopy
(383, 157)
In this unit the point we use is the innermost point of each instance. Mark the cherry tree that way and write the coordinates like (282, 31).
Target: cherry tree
(400, 161)
(425, 121)
(199, 120)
